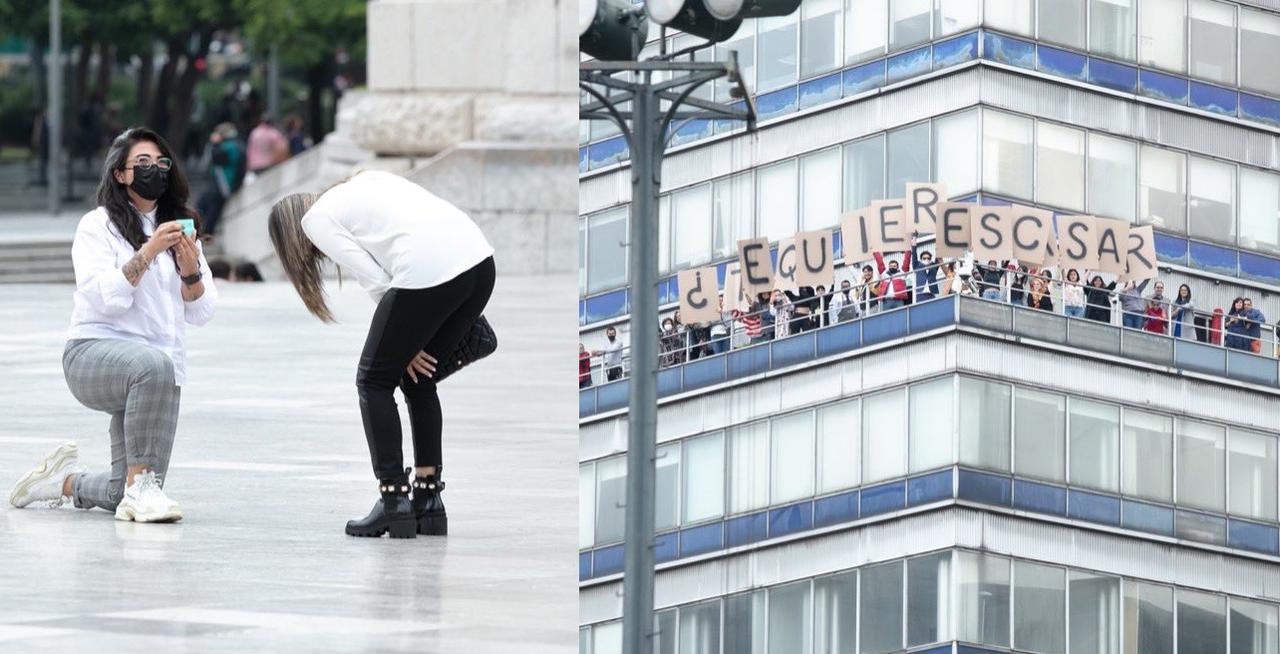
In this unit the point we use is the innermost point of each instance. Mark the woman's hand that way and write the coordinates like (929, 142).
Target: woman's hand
(188, 256)
(166, 236)
(422, 364)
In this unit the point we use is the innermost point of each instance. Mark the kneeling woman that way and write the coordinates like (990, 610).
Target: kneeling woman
(139, 281)
(431, 272)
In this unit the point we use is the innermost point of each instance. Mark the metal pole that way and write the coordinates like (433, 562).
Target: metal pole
(637, 580)
(273, 82)
(53, 113)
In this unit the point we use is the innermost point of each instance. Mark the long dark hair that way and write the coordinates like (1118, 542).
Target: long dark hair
(114, 196)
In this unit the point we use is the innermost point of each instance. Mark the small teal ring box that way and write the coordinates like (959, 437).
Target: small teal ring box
(188, 226)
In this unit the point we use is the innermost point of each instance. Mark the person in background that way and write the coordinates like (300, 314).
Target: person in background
(753, 322)
(672, 345)
(950, 283)
(267, 147)
(824, 304)
(1073, 295)
(293, 132)
(612, 353)
(1181, 315)
(1255, 320)
(926, 275)
(806, 308)
(893, 288)
(720, 331)
(1098, 299)
(1236, 328)
(220, 269)
(1277, 340)
(699, 340)
(990, 277)
(226, 167)
(1016, 292)
(844, 305)
(1132, 307)
(1156, 316)
(866, 293)
(782, 312)
(1038, 295)
(584, 367)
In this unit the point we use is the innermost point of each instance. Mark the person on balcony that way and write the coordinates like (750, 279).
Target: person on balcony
(1038, 295)
(1132, 306)
(1182, 313)
(1073, 295)
(1098, 299)
(893, 287)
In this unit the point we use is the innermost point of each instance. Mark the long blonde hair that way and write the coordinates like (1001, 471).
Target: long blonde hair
(302, 261)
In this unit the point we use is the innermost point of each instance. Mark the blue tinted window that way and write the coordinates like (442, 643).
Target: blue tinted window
(1260, 268)
(604, 307)
(909, 64)
(1062, 63)
(1113, 75)
(817, 91)
(582, 160)
(864, 78)
(777, 103)
(1213, 98)
(955, 51)
(691, 131)
(607, 152)
(1263, 110)
(1213, 257)
(1163, 87)
(1009, 51)
(1171, 248)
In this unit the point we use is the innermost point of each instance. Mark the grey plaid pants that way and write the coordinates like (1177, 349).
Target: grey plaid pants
(134, 383)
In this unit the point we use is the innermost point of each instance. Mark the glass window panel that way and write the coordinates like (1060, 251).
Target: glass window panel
(1148, 455)
(1213, 40)
(586, 505)
(908, 158)
(664, 233)
(883, 452)
(953, 16)
(820, 32)
(611, 495)
(776, 198)
(777, 50)
(1162, 34)
(881, 606)
(1253, 474)
(790, 627)
(1112, 28)
(606, 638)
(744, 623)
(863, 172)
(1202, 622)
(1061, 22)
(1040, 434)
(1010, 15)
(1006, 153)
(606, 252)
(1162, 193)
(582, 256)
(792, 476)
(910, 26)
(1253, 628)
(820, 189)
(930, 423)
(668, 632)
(982, 608)
(1095, 614)
(703, 477)
(1201, 474)
(700, 628)
(1259, 209)
(1059, 166)
(984, 423)
(865, 22)
(929, 599)
(584, 640)
(1148, 618)
(1095, 444)
(691, 243)
(748, 467)
(1259, 43)
(838, 426)
(682, 41)
(732, 213)
(1212, 186)
(835, 621)
(1040, 620)
(955, 152)
(744, 43)
(667, 487)
(1113, 174)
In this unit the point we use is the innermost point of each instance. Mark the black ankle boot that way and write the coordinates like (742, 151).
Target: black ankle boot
(393, 514)
(428, 508)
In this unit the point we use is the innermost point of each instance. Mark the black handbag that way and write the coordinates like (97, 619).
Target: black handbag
(479, 343)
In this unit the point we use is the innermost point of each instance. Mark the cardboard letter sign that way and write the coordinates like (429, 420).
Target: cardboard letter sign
(889, 223)
(1032, 229)
(922, 206)
(784, 278)
(757, 269)
(735, 297)
(1113, 239)
(815, 259)
(990, 234)
(699, 298)
(1141, 257)
(1078, 244)
(856, 229)
(953, 229)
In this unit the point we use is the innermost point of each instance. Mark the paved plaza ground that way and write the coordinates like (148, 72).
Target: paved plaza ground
(269, 463)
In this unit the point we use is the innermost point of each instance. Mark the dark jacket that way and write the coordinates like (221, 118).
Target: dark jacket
(1046, 302)
(988, 277)
(926, 280)
(1098, 302)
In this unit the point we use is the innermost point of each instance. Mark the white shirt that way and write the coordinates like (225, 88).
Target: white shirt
(151, 313)
(392, 233)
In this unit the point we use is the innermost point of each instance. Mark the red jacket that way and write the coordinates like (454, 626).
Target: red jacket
(899, 283)
(1155, 319)
(584, 366)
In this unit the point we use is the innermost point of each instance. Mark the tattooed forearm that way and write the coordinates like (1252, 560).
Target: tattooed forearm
(134, 268)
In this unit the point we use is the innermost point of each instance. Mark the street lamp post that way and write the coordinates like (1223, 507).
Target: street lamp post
(654, 107)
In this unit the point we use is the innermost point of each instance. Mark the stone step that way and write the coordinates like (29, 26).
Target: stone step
(45, 277)
(17, 252)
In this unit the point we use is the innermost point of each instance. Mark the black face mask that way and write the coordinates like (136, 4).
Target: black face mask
(149, 182)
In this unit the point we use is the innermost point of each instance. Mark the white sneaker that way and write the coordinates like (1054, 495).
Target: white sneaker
(44, 484)
(144, 501)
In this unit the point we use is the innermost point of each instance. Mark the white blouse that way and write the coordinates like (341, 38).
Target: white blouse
(151, 313)
(391, 233)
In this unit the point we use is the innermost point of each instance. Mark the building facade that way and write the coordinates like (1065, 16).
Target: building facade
(959, 475)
